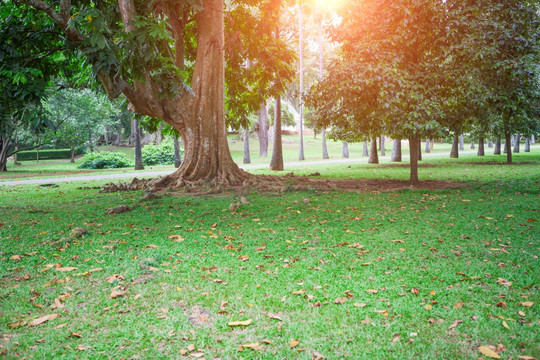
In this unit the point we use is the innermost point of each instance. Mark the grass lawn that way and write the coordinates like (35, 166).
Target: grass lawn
(438, 274)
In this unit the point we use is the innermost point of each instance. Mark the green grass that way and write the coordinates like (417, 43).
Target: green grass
(415, 247)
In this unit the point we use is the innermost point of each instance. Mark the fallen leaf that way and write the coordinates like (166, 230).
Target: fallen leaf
(485, 350)
(240, 323)
(253, 346)
(455, 324)
(82, 347)
(527, 303)
(116, 293)
(136, 296)
(114, 277)
(294, 343)
(176, 238)
(151, 246)
(526, 357)
(16, 324)
(398, 241)
(359, 304)
(191, 347)
(75, 334)
(428, 307)
(458, 305)
(414, 291)
(298, 292)
(505, 324)
(66, 269)
(340, 300)
(372, 291)
(317, 356)
(61, 325)
(275, 317)
(95, 270)
(43, 319)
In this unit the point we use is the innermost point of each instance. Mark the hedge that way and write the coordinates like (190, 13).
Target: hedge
(105, 160)
(46, 154)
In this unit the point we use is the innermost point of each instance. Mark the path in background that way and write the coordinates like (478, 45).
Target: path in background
(147, 174)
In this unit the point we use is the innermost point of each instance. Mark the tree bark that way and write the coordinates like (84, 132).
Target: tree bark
(382, 145)
(16, 149)
(345, 150)
(454, 152)
(472, 145)
(262, 133)
(516, 143)
(497, 148)
(119, 133)
(508, 140)
(324, 147)
(428, 146)
(480, 151)
(138, 151)
(413, 160)
(432, 144)
(365, 151)
(396, 151)
(106, 136)
(373, 157)
(72, 157)
(419, 149)
(506, 145)
(300, 60)
(247, 159)
(490, 144)
(532, 139)
(527, 144)
(177, 153)
(461, 142)
(277, 152)
(4, 145)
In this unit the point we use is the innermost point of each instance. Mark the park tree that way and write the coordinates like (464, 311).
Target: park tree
(168, 59)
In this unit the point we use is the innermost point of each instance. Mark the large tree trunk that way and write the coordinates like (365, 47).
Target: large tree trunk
(262, 133)
(508, 140)
(365, 151)
(480, 151)
(373, 157)
(382, 145)
(138, 151)
(277, 152)
(419, 149)
(428, 146)
(177, 153)
(4, 145)
(497, 148)
(414, 150)
(527, 144)
(247, 158)
(454, 152)
(345, 150)
(324, 147)
(396, 151)
(516, 143)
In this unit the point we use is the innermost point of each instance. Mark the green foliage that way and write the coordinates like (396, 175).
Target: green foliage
(104, 160)
(46, 154)
(158, 154)
(287, 117)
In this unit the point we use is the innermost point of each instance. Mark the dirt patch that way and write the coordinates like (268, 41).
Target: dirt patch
(197, 316)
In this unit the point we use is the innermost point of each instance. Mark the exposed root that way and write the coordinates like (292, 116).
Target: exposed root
(267, 183)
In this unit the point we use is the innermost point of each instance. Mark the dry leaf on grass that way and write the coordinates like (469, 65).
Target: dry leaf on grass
(43, 319)
(66, 269)
(116, 293)
(485, 350)
(340, 300)
(253, 346)
(455, 324)
(527, 303)
(114, 277)
(294, 343)
(240, 323)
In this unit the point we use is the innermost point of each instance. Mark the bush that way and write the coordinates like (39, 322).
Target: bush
(46, 154)
(158, 155)
(105, 160)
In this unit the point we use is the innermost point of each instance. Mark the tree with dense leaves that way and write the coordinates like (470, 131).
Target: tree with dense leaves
(168, 59)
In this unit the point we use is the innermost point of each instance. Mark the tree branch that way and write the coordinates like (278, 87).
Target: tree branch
(65, 9)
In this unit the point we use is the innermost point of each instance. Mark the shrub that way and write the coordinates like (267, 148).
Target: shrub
(105, 160)
(158, 155)
(46, 154)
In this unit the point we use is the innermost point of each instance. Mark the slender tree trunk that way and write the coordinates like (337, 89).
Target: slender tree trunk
(472, 145)
(138, 150)
(373, 157)
(532, 139)
(508, 141)
(345, 150)
(301, 61)
(396, 151)
(72, 157)
(4, 146)
(277, 152)
(506, 145)
(516, 143)
(247, 158)
(324, 148)
(419, 149)
(382, 145)
(497, 148)
(414, 151)
(461, 142)
(428, 146)
(177, 152)
(365, 151)
(119, 133)
(432, 144)
(480, 151)
(454, 152)
(490, 144)
(527, 144)
(16, 149)
(106, 136)
(262, 133)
